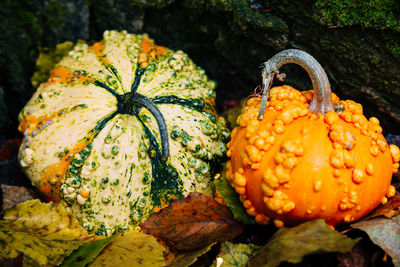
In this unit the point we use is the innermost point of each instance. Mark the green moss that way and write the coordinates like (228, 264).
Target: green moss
(152, 3)
(216, 5)
(264, 28)
(392, 45)
(375, 14)
(47, 59)
(244, 13)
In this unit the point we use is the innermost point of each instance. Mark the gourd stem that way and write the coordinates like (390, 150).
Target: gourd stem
(322, 100)
(150, 106)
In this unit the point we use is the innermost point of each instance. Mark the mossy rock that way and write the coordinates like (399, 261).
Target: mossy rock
(355, 41)
(374, 14)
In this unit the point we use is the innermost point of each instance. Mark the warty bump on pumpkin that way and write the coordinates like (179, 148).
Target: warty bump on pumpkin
(120, 128)
(310, 155)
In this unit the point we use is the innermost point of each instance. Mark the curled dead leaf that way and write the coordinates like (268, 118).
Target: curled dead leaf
(193, 222)
(390, 209)
(384, 232)
(292, 244)
(44, 233)
(14, 195)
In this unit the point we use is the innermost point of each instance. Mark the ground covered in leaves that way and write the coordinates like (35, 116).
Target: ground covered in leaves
(196, 231)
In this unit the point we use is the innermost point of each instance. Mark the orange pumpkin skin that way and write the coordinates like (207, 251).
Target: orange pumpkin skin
(294, 165)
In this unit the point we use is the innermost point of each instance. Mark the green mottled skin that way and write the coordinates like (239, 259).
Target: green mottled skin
(121, 164)
(46, 61)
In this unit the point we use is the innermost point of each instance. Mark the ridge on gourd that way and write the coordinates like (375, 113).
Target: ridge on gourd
(298, 156)
(98, 133)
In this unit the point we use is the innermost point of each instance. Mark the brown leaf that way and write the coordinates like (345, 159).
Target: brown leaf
(14, 195)
(357, 257)
(194, 222)
(390, 209)
(385, 233)
(292, 244)
(16, 262)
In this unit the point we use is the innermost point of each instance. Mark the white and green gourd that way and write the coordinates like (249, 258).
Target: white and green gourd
(119, 129)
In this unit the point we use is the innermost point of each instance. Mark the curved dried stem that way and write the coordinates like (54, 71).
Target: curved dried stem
(322, 101)
(162, 127)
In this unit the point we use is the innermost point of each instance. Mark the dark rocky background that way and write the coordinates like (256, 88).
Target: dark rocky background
(357, 42)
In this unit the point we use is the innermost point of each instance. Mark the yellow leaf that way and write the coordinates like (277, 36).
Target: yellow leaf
(187, 258)
(131, 249)
(44, 233)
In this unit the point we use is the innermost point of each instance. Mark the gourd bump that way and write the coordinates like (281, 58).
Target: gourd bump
(120, 128)
(297, 156)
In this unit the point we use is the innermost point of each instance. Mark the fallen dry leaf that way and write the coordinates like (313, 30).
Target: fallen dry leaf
(385, 233)
(193, 222)
(357, 257)
(187, 258)
(14, 195)
(86, 253)
(44, 233)
(15, 262)
(390, 209)
(292, 244)
(131, 249)
(232, 255)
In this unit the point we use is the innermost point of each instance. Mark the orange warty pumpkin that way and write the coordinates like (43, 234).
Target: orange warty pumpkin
(309, 155)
